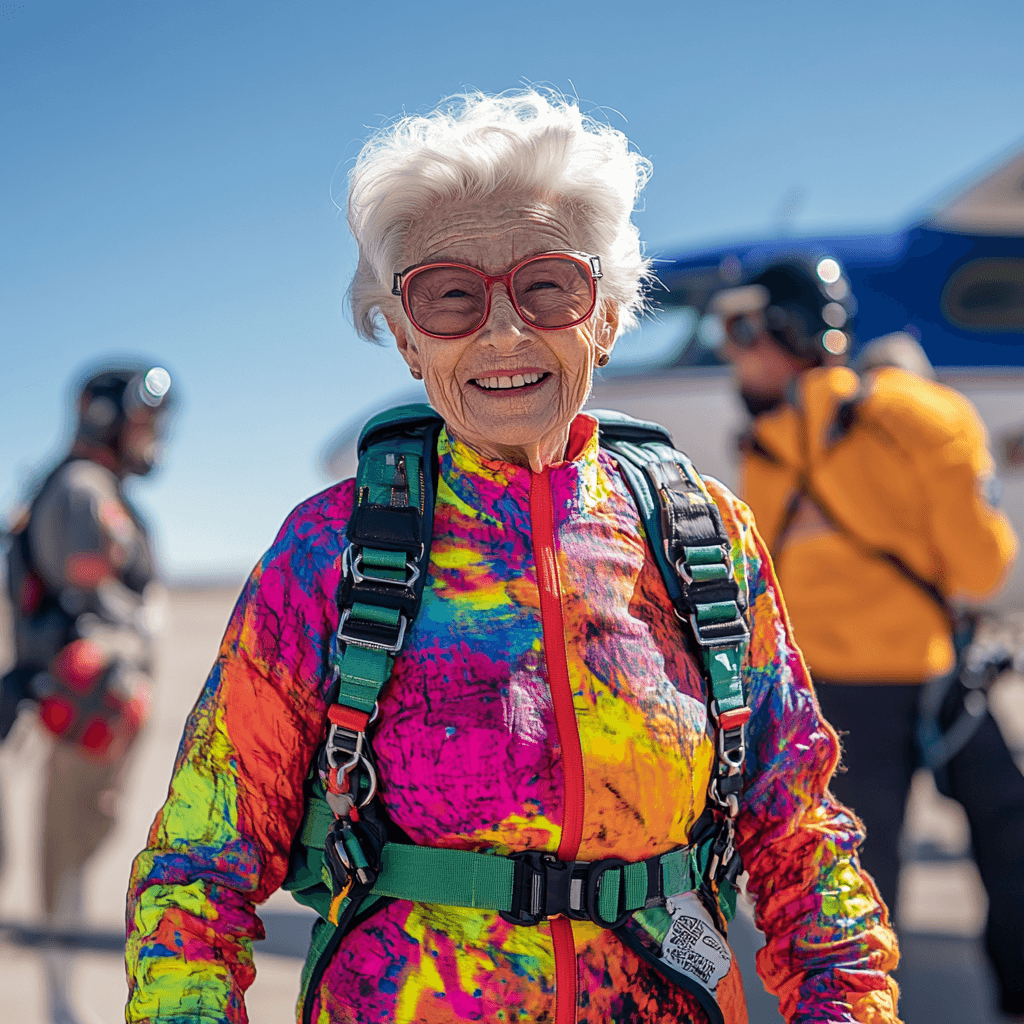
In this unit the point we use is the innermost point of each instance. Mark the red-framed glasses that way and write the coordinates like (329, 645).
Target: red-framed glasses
(550, 291)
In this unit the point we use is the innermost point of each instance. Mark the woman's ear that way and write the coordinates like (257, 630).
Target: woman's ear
(607, 329)
(406, 346)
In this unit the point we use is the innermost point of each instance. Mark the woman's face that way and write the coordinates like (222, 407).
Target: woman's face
(517, 421)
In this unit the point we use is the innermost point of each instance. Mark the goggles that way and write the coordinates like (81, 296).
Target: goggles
(551, 291)
(743, 329)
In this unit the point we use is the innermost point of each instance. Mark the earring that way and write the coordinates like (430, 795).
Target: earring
(602, 359)
(416, 374)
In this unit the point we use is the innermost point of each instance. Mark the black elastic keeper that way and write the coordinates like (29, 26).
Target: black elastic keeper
(378, 594)
(713, 591)
(729, 785)
(691, 526)
(636, 433)
(356, 630)
(386, 527)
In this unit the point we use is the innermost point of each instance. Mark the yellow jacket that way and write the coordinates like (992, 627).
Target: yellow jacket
(854, 475)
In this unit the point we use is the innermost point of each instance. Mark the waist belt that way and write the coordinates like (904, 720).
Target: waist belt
(524, 887)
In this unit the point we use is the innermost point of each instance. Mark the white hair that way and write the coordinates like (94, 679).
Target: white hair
(473, 146)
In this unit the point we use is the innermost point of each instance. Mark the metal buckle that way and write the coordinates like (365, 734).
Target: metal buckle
(725, 859)
(681, 563)
(729, 804)
(720, 641)
(735, 753)
(352, 560)
(732, 756)
(339, 861)
(681, 568)
(374, 645)
(355, 752)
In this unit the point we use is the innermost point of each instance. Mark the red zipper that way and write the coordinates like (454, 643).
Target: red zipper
(549, 585)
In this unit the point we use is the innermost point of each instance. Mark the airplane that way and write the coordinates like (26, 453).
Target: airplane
(953, 279)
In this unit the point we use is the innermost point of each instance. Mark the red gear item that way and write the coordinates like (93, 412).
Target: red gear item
(101, 724)
(56, 714)
(97, 737)
(79, 666)
(32, 594)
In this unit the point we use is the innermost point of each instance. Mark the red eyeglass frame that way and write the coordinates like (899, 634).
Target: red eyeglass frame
(589, 262)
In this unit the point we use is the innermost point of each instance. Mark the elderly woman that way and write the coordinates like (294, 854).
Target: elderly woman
(544, 698)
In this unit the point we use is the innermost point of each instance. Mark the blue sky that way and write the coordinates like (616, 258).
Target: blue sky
(168, 170)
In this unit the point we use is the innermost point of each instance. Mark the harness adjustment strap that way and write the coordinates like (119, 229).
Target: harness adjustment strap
(532, 885)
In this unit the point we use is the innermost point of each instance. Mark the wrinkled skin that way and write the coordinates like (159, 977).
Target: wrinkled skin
(526, 426)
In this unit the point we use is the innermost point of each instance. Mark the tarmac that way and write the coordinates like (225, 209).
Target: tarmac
(943, 974)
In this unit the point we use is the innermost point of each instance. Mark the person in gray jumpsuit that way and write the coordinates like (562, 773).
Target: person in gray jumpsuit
(84, 599)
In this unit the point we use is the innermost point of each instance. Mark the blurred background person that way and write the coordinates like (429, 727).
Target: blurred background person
(875, 493)
(85, 600)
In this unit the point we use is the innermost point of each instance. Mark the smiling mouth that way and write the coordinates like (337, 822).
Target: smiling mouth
(513, 383)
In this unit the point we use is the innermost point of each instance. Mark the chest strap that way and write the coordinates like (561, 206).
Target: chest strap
(524, 887)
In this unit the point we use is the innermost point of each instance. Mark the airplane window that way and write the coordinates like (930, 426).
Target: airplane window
(662, 336)
(987, 295)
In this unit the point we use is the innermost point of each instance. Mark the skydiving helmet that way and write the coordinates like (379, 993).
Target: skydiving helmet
(115, 397)
(804, 306)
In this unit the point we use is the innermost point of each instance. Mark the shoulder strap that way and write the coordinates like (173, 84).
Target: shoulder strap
(385, 563)
(692, 549)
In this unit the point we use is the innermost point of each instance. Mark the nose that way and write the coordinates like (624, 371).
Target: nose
(504, 326)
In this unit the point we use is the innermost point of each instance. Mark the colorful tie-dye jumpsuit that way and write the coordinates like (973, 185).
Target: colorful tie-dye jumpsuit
(544, 699)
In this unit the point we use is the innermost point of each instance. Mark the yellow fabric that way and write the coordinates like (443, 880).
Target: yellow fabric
(906, 478)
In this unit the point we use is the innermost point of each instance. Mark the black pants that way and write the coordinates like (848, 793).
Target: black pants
(877, 725)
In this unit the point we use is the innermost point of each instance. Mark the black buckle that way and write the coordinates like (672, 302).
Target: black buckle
(597, 871)
(346, 857)
(720, 634)
(544, 887)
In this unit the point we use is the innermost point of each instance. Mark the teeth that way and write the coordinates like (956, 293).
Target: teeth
(518, 380)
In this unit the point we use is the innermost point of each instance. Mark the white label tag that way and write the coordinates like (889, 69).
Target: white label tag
(693, 945)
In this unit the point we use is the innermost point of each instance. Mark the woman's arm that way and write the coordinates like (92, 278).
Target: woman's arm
(220, 844)
(828, 944)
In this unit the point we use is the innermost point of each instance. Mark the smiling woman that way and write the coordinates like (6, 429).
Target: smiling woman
(506, 318)
(567, 650)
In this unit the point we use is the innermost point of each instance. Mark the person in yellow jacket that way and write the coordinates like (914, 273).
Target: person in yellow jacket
(876, 496)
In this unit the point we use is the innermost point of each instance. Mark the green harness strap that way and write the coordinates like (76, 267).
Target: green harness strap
(384, 571)
(484, 881)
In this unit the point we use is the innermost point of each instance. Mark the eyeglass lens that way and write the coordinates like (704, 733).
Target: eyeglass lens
(549, 292)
